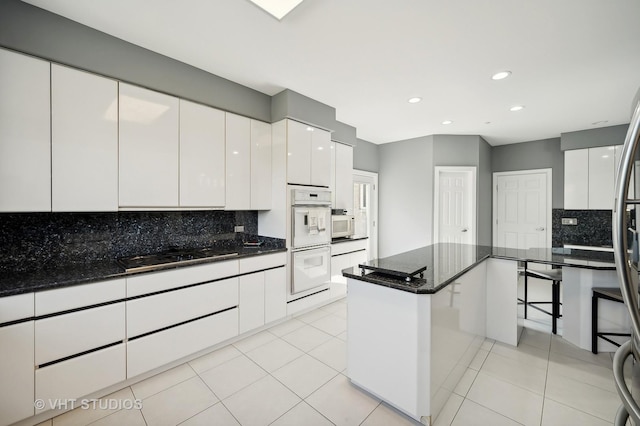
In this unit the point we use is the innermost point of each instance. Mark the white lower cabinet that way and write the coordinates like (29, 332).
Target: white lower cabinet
(80, 376)
(157, 349)
(66, 335)
(275, 294)
(16, 372)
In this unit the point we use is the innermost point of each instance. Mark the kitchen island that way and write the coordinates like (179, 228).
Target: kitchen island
(416, 320)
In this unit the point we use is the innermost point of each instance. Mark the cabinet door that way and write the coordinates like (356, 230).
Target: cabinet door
(320, 158)
(298, 153)
(148, 148)
(344, 177)
(238, 191)
(601, 165)
(84, 141)
(260, 165)
(618, 155)
(251, 301)
(202, 156)
(576, 179)
(275, 294)
(16, 372)
(332, 184)
(25, 134)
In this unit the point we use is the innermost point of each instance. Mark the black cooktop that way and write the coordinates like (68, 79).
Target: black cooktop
(176, 256)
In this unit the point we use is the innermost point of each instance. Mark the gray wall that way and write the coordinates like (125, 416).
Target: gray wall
(485, 195)
(542, 154)
(405, 198)
(366, 156)
(603, 136)
(32, 30)
(290, 104)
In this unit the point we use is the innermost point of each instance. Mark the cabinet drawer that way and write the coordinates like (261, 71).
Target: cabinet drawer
(16, 307)
(58, 300)
(347, 247)
(76, 332)
(162, 310)
(166, 280)
(266, 261)
(81, 376)
(149, 352)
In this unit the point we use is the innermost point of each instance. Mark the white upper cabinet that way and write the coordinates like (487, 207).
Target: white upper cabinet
(308, 155)
(320, 158)
(298, 153)
(618, 156)
(260, 165)
(238, 182)
(148, 148)
(84, 141)
(344, 177)
(202, 156)
(601, 177)
(25, 133)
(576, 178)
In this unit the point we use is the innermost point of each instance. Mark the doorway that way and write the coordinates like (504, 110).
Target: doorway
(365, 209)
(454, 210)
(522, 209)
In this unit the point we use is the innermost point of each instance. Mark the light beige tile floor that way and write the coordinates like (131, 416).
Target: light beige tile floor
(295, 374)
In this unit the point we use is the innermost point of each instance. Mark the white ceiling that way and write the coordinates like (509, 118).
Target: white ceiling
(574, 62)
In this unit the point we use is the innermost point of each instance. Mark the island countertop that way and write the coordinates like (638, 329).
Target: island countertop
(444, 262)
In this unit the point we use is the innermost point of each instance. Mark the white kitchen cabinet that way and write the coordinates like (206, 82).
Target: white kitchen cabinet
(618, 156)
(16, 372)
(320, 158)
(238, 162)
(275, 294)
(344, 177)
(65, 335)
(576, 179)
(157, 349)
(148, 148)
(82, 375)
(84, 141)
(25, 133)
(202, 156)
(601, 177)
(260, 165)
(345, 255)
(308, 155)
(251, 301)
(298, 153)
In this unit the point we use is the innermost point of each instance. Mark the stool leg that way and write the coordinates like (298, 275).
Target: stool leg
(526, 303)
(594, 324)
(555, 306)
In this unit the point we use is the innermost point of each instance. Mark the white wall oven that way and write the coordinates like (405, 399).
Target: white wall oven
(310, 241)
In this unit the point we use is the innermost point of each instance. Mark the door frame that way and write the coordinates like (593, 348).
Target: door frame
(494, 196)
(473, 170)
(370, 177)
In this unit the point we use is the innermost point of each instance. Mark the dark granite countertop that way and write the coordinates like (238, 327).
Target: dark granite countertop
(460, 258)
(53, 274)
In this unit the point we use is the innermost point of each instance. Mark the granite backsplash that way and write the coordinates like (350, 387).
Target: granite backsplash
(26, 238)
(593, 229)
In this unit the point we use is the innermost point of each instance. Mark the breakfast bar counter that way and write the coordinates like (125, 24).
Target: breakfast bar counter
(417, 319)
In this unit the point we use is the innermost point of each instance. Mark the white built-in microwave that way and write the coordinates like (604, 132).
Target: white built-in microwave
(342, 226)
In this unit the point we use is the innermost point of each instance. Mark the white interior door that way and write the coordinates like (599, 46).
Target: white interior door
(365, 209)
(454, 217)
(522, 209)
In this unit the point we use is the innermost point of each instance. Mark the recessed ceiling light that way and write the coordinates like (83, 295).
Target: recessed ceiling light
(597, 123)
(516, 108)
(447, 122)
(414, 100)
(501, 75)
(277, 8)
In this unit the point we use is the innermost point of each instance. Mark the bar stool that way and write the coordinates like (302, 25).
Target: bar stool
(553, 275)
(606, 293)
